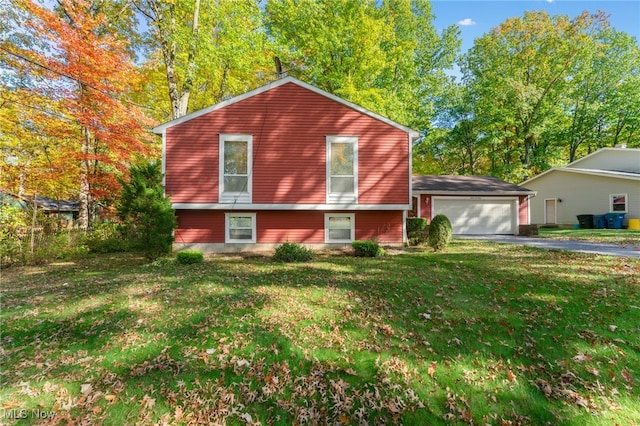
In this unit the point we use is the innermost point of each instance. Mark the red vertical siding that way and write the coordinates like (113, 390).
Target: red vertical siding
(275, 227)
(523, 210)
(292, 226)
(289, 125)
(200, 226)
(384, 226)
(191, 163)
(425, 207)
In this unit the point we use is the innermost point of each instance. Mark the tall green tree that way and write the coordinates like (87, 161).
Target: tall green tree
(385, 56)
(602, 98)
(201, 52)
(544, 87)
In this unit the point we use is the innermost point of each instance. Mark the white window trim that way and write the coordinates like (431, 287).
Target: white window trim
(352, 216)
(342, 198)
(235, 197)
(228, 239)
(626, 202)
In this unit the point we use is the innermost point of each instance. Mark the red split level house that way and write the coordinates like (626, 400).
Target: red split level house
(286, 162)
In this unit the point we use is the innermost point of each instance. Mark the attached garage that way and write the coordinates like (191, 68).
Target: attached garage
(475, 205)
(478, 215)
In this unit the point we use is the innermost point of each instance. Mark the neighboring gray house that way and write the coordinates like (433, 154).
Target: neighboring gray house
(605, 181)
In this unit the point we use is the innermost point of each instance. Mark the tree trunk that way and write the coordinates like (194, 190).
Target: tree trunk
(178, 95)
(84, 197)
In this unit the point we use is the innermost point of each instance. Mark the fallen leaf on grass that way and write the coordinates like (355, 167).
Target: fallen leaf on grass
(179, 414)
(582, 358)
(148, 402)
(627, 376)
(351, 372)
(432, 369)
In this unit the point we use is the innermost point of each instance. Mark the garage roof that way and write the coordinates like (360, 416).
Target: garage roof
(457, 185)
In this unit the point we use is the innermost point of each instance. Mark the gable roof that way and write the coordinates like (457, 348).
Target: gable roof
(574, 167)
(449, 184)
(630, 156)
(287, 80)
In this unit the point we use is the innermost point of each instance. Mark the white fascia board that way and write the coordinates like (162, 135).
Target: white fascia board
(593, 172)
(539, 176)
(475, 194)
(414, 134)
(605, 173)
(411, 171)
(319, 207)
(163, 127)
(474, 197)
(163, 165)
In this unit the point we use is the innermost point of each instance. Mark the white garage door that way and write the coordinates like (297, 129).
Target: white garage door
(478, 216)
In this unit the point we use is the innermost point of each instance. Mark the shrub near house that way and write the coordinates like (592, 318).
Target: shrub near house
(440, 232)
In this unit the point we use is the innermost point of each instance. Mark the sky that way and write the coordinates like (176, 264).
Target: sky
(476, 17)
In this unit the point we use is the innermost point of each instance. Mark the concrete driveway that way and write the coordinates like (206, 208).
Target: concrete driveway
(569, 245)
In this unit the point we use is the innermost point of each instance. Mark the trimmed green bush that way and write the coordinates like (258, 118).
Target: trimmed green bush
(188, 257)
(415, 225)
(367, 248)
(292, 252)
(417, 230)
(440, 232)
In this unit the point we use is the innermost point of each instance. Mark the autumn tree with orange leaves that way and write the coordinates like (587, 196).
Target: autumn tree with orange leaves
(68, 102)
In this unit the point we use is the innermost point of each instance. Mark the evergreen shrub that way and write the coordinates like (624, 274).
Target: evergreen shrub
(147, 218)
(188, 257)
(417, 230)
(292, 252)
(440, 232)
(367, 248)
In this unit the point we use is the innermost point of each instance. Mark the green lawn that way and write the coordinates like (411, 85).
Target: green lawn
(613, 236)
(481, 333)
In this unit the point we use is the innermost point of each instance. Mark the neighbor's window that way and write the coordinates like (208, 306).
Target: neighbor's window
(339, 228)
(342, 169)
(618, 203)
(235, 168)
(240, 228)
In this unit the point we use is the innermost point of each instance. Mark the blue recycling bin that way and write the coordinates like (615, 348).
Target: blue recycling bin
(599, 221)
(615, 220)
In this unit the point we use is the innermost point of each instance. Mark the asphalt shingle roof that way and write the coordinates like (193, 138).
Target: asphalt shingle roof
(465, 184)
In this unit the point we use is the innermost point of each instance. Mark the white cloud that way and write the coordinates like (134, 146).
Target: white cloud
(549, 1)
(466, 22)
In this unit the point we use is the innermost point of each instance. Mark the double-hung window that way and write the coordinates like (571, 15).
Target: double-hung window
(339, 227)
(235, 168)
(240, 227)
(342, 169)
(618, 203)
